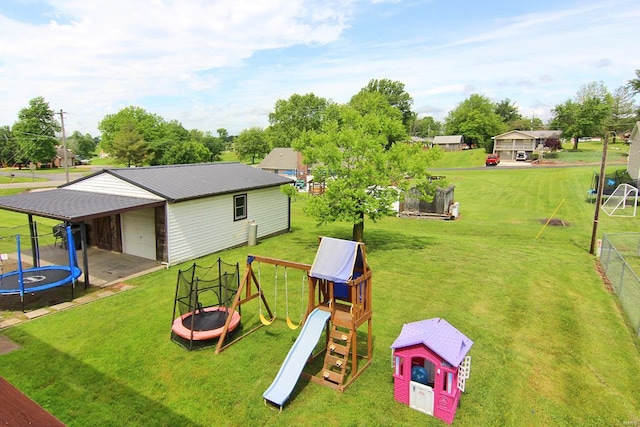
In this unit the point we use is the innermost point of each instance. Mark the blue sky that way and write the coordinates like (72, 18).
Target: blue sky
(224, 63)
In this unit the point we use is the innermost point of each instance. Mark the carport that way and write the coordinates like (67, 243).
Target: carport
(75, 208)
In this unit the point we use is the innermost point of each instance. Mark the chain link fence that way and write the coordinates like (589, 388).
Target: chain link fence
(620, 256)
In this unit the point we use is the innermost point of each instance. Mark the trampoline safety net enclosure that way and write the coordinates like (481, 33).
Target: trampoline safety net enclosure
(35, 279)
(202, 303)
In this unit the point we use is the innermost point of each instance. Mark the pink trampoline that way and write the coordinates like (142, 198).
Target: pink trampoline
(205, 324)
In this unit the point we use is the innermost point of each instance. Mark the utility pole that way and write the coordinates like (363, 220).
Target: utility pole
(601, 180)
(64, 146)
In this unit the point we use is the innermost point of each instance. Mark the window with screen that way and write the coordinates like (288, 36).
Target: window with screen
(239, 207)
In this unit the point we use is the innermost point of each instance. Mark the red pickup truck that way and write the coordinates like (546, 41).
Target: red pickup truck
(492, 160)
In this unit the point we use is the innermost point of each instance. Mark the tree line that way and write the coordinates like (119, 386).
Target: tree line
(135, 137)
(132, 136)
(361, 150)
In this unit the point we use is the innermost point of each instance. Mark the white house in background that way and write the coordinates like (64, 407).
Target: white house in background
(633, 162)
(449, 142)
(508, 144)
(170, 214)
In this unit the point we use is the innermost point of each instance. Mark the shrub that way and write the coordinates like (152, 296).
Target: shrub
(553, 143)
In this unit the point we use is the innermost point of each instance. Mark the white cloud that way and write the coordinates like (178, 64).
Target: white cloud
(121, 50)
(224, 63)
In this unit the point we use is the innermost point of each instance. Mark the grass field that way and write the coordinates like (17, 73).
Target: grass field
(587, 153)
(16, 179)
(551, 345)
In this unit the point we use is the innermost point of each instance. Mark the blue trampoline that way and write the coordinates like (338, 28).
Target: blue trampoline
(38, 279)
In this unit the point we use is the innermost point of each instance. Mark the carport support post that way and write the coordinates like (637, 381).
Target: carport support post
(34, 242)
(85, 258)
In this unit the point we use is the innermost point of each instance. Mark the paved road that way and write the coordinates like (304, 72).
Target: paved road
(53, 179)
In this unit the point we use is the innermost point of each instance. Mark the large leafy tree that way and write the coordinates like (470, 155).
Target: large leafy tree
(84, 145)
(525, 123)
(215, 145)
(587, 114)
(169, 134)
(622, 111)
(369, 103)
(186, 152)
(634, 84)
(475, 118)
(352, 156)
(508, 110)
(427, 127)
(9, 148)
(396, 96)
(224, 137)
(291, 117)
(149, 126)
(128, 146)
(251, 144)
(35, 132)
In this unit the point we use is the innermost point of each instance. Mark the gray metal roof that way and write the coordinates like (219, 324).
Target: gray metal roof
(184, 182)
(173, 183)
(447, 139)
(72, 205)
(534, 134)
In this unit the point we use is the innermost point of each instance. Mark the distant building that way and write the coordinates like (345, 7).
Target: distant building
(59, 160)
(508, 144)
(169, 214)
(633, 162)
(449, 142)
(285, 161)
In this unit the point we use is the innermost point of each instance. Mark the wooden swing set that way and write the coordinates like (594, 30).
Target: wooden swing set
(251, 288)
(290, 323)
(349, 302)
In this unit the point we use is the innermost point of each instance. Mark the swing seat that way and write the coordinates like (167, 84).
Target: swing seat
(292, 325)
(266, 321)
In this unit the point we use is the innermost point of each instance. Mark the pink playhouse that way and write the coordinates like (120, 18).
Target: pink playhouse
(431, 366)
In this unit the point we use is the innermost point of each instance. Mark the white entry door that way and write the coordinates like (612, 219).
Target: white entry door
(421, 397)
(139, 233)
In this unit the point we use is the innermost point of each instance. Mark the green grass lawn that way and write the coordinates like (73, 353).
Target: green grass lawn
(9, 180)
(551, 344)
(461, 159)
(227, 156)
(591, 152)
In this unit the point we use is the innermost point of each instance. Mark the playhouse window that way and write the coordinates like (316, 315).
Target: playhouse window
(239, 207)
(398, 366)
(448, 381)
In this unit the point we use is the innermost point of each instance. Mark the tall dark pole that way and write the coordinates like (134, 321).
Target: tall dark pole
(64, 147)
(601, 180)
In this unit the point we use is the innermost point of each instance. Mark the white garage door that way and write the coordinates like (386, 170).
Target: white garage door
(139, 233)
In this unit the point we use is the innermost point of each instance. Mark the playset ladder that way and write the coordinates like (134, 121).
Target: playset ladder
(337, 355)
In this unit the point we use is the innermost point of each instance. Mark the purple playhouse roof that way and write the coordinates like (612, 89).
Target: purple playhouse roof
(439, 336)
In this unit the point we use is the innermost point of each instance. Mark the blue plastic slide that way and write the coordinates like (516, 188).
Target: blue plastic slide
(291, 368)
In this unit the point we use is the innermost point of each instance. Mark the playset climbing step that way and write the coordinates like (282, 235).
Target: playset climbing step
(337, 356)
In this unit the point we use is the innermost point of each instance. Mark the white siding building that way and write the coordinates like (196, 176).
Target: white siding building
(633, 162)
(169, 214)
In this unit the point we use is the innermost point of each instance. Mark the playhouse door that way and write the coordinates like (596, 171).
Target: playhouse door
(421, 397)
